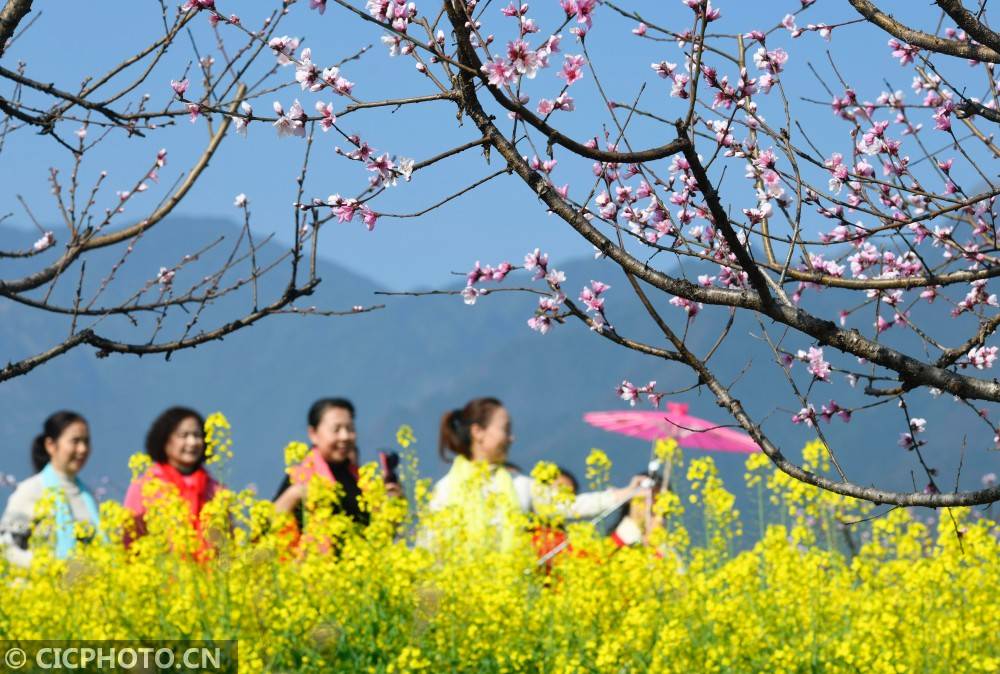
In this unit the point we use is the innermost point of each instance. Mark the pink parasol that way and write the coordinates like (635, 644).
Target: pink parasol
(674, 422)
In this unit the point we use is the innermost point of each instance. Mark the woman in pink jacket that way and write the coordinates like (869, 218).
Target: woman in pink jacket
(176, 443)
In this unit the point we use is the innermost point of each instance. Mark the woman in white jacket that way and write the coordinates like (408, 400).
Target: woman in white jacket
(58, 454)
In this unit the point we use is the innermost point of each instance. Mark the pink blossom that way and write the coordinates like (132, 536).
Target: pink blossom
(470, 294)
(369, 217)
(523, 58)
(766, 160)
(500, 72)
(806, 415)
(703, 8)
(194, 110)
(394, 42)
(329, 119)
(555, 277)
(679, 90)
(983, 357)
(179, 87)
(591, 296)
(689, 307)
(564, 102)
(664, 69)
(824, 30)
(318, 4)
(383, 167)
(770, 61)
(290, 124)
(397, 13)
(827, 412)
(551, 303)
(628, 392)
(904, 52)
(197, 5)
(908, 440)
(550, 47)
(361, 152)
(976, 295)
(598, 288)
(537, 261)
(488, 273)
(165, 278)
(511, 10)
(47, 239)
(639, 30)
(306, 72)
(942, 116)
(818, 367)
(243, 122)
(284, 48)
(540, 323)
(582, 9)
(344, 209)
(572, 69)
(331, 77)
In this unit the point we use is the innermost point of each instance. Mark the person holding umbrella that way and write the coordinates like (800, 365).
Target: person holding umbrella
(673, 423)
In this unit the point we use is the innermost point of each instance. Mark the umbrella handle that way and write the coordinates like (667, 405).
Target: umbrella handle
(595, 521)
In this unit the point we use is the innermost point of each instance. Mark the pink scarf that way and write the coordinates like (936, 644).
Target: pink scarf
(314, 464)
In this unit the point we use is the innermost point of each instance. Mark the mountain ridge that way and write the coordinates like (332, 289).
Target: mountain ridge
(419, 357)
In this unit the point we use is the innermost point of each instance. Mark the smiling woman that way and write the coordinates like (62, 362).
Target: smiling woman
(176, 444)
(333, 457)
(58, 453)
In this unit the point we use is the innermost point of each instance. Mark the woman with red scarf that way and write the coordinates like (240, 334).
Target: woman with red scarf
(176, 443)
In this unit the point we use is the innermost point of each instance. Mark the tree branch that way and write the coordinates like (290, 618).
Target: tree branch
(924, 40)
(10, 17)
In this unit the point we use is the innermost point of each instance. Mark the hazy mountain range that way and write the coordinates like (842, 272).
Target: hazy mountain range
(419, 357)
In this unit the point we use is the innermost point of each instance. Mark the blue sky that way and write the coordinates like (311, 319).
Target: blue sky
(500, 220)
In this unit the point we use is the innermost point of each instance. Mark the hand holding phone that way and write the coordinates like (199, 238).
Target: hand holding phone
(389, 461)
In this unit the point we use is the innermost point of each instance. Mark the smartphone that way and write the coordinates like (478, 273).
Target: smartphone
(389, 461)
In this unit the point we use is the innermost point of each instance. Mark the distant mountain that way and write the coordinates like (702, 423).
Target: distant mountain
(419, 357)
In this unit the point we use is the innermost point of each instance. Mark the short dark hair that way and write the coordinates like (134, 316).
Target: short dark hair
(323, 404)
(565, 472)
(164, 426)
(52, 428)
